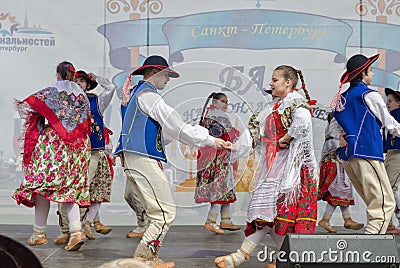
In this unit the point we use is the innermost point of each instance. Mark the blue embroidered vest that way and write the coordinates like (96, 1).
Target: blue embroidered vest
(140, 133)
(119, 148)
(393, 143)
(97, 129)
(363, 136)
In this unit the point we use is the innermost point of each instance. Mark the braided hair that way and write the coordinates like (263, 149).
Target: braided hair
(288, 72)
(66, 70)
(213, 96)
(303, 85)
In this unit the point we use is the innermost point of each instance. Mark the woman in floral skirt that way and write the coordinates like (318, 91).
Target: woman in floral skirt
(56, 154)
(215, 176)
(334, 185)
(101, 159)
(285, 197)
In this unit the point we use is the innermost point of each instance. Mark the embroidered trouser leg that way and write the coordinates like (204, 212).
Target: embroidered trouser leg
(371, 181)
(151, 185)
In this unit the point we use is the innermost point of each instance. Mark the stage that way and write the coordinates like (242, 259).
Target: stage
(187, 246)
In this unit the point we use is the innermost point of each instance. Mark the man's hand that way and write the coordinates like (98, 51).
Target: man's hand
(221, 144)
(92, 76)
(342, 140)
(121, 159)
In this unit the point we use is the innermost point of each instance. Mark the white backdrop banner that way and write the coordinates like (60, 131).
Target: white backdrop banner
(227, 46)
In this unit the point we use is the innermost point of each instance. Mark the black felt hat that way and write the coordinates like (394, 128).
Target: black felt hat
(157, 62)
(92, 84)
(393, 92)
(355, 66)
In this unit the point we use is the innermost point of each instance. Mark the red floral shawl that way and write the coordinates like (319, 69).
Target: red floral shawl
(65, 107)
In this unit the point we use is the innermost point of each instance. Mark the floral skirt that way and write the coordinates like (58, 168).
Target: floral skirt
(299, 217)
(336, 191)
(215, 183)
(100, 184)
(57, 171)
(295, 217)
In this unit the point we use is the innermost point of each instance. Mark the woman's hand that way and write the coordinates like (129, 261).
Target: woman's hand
(229, 146)
(285, 141)
(219, 143)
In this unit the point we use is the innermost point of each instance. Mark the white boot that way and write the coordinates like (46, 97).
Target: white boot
(145, 255)
(237, 258)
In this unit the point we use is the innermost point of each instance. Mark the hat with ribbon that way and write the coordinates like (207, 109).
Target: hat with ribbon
(154, 61)
(354, 67)
(92, 84)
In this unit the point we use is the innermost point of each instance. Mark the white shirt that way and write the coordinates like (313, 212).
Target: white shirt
(171, 122)
(105, 96)
(378, 107)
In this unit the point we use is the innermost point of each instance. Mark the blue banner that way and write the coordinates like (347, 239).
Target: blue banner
(254, 29)
(132, 33)
(257, 29)
(375, 35)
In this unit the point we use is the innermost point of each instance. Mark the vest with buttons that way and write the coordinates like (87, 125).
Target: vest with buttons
(362, 128)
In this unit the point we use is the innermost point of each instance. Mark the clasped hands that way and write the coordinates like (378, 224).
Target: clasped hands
(221, 144)
(284, 142)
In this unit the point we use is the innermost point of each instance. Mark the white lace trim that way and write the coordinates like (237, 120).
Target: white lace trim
(284, 175)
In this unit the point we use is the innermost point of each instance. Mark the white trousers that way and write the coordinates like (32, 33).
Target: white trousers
(152, 188)
(371, 181)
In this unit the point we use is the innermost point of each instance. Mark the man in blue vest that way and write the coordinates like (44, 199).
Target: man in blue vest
(391, 147)
(147, 119)
(130, 195)
(361, 112)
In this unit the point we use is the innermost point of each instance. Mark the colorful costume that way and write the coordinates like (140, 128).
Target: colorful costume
(363, 155)
(286, 193)
(147, 117)
(215, 176)
(334, 185)
(56, 153)
(100, 169)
